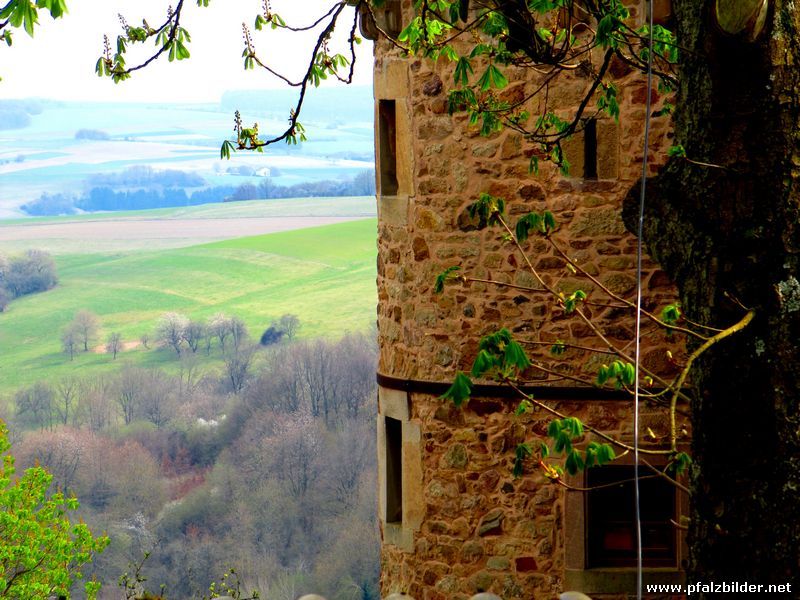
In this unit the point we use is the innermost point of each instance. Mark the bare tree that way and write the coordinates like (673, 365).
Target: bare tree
(238, 360)
(85, 325)
(34, 405)
(155, 397)
(66, 397)
(170, 330)
(114, 344)
(347, 461)
(129, 392)
(69, 342)
(219, 327)
(60, 451)
(189, 374)
(95, 405)
(238, 331)
(289, 324)
(4, 265)
(194, 333)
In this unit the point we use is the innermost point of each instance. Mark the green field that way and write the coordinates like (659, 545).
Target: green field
(325, 275)
(340, 206)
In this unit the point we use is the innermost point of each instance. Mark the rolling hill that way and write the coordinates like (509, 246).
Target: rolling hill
(325, 275)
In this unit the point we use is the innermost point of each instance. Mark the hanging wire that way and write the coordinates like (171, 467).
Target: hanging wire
(639, 233)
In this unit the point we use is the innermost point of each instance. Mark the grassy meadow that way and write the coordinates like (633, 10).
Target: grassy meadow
(325, 275)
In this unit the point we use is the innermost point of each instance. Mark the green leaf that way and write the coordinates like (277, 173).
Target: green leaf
(574, 462)
(492, 77)
(487, 209)
(527, 223)
(549, 221)
(462, 71)
(563, 442)
(630, 374)
(605, 454)
(225, 151)
(677, 151)
(602, 375)
(446, 275)
(100, 67)
(484, 362)
(671, 313)
(680, 462)
(522, 453)
(523, 407)
(574, 426)
(591, 456)
(459, 392)
(544, 450)
(515, 356)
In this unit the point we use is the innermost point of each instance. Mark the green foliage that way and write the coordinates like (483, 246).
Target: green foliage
(671, 314)
(619, 372)
(565, 433)
(41, 551)
(607, 102)
(460, 391)
(225, 151)
(543, 224)
(462, 71)
(521, 454)
(679, 463)
(612, 21)
(664, 43)
(229, 586)
(487, 209)
(571, 302)
(25, 13)
(499, 356)
(523, 407)
(677, 151)
(492, 78)
(448, 274)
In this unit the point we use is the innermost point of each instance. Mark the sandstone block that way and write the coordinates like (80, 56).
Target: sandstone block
(492, 523)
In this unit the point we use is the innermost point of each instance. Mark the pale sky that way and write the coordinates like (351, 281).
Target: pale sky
(58, 62)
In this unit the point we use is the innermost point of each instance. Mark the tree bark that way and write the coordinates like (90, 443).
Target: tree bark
(729, 235)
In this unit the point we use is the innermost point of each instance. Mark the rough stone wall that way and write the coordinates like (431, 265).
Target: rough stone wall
(478, 528)
(483, 529)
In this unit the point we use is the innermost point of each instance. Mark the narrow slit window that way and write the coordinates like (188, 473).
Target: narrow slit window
(394, 18)
(590, 150)
(394, 471)
(387, 132)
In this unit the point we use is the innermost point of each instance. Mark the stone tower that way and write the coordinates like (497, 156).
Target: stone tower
(454, 520)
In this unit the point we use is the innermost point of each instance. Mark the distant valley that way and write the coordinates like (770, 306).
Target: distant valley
(82, 154)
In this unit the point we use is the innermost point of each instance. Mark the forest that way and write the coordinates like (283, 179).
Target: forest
(274, 477)
(132, 190)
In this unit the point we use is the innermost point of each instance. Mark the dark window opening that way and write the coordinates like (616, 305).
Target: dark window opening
(394, 471)
(394, 18)
(590, 150)
(611, 519)
(387, 132)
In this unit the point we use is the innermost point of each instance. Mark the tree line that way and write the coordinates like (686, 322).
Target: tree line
(108, 196)
(182, 334)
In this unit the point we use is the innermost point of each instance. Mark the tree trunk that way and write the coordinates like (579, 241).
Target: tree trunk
(729, 235)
